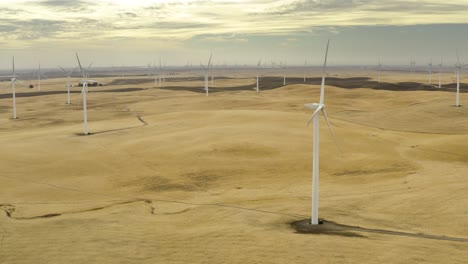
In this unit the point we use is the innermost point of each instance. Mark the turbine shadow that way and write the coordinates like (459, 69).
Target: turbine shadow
(332, 228)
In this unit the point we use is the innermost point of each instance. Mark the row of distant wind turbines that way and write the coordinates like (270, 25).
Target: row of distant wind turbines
(84, 89)
(458, 69)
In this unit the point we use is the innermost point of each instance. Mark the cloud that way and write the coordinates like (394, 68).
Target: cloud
(221, 38)
(213, 20)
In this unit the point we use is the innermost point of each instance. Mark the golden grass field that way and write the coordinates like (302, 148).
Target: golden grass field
(173, 176)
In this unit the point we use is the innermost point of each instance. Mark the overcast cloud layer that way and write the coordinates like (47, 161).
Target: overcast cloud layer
(31, 25)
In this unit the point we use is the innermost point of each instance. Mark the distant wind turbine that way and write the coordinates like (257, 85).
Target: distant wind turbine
(440, 72)
(318, 108)
(68, 74)
(430, 73)
(258, 71)
(155, 73)
(284, 74)
(459, 67)
(149, 69)
(39, 75)
(412, 63)
(305, 68)
(160, 73)
(379, 71)
(84, 91)
(12, 83)
(206, 69)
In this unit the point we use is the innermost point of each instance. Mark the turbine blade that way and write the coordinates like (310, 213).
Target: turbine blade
(10, 83)
(322, 88)
(314, 114)
(209, 61)
(458, 57)
(326, 56)
(70, 73)
(79, 63)
(20, 82)
(331, 131)
(63, 69)
(14, 71)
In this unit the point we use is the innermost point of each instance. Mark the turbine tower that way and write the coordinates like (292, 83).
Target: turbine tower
(84, 90)
(160, 73)
(440, 72)
(305, 68)
(258, 70)
(430, 73)
(155, 73)
(39, 77)
(284, 74)
(459, 67)
(379, 71)
(318, 108)
(13, 82)
(206, 69)
(412, 63)
(68, 74)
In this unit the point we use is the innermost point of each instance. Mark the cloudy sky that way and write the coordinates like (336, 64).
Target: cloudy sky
(134, 32)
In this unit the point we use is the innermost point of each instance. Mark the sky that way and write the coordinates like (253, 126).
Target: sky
(138, 32)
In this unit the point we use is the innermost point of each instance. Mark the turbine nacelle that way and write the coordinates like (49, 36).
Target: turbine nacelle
(313, 106)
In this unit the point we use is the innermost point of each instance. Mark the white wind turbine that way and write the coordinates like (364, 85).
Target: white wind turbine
(84, 91)
(430, 73)
(258, 70)
(68, 73)
(379, 70)
(440, 72)
(149, 69)
(412, 63)
(459, 67)
(160, 73)
(206, 69)
(164, 72)
(39, 74)
(155, 73)
(284, 73)
(13, 82)
(318, 108)
(305, 68)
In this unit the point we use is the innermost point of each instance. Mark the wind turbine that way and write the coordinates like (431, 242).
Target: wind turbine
(155, 73)
(305, 68)
(379, 70)
(206, 69)
(150, 69)
(318, 108)
(258, 70)
(13, 87)
(459, 67)
(84, 90)
(412, 63)
(440, 72)
(430, 73)
(284, 74)
(39, 77)
(68, 73)
(160, 73)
